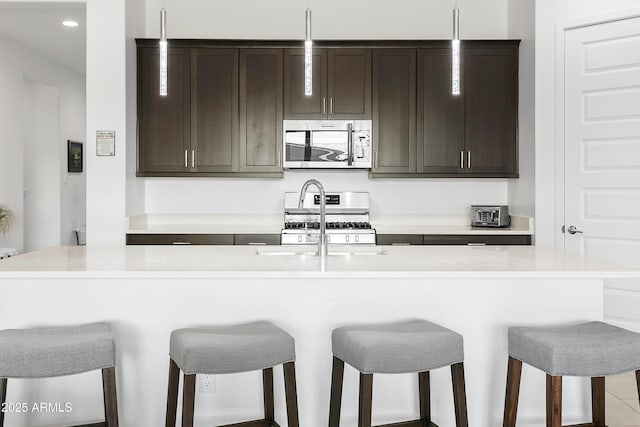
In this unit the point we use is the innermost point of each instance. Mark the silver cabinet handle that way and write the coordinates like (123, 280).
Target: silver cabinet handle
(469, 159)
(331, 105)
(324, 105)
(461, 159)
(350, 144)
(186, 159)
(181, 243)
(193, 158)
(573, 230)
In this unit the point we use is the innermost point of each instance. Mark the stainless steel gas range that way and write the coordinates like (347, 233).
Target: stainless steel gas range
(347, 219)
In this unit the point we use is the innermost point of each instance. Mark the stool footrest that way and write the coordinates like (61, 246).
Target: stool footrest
(102, 424)
(413, 423)
(584, 425)
(254, 423)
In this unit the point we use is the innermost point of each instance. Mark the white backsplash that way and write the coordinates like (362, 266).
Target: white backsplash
(265, 195)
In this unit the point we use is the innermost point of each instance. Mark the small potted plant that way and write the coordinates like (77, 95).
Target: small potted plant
(6, 219)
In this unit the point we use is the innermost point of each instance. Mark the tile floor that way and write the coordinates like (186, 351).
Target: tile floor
(623, 409)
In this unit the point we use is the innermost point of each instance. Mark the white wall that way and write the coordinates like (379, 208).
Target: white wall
(332, 19)
(41, 169)
(521, 25)
(135, 28)
(550, 13)
(106, 110)
(19, 62)
(356, 20)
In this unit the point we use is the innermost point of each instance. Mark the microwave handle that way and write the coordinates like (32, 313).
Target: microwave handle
(350, 144)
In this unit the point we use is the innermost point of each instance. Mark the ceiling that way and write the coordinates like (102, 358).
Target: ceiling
(39, 27)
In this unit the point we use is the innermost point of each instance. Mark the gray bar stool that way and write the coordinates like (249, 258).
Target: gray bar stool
(226, 350)
(414, 346)
(593, 349)
(60, 351)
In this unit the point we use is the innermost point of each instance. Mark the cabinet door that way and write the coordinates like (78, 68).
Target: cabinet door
(164, 124)
(349, 83)
(394, 110)
(440, 115)
(297, 105)
(261, 110)
(214, 110)
(491, 94)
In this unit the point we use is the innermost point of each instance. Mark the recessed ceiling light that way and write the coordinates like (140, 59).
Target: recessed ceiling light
(70, 23)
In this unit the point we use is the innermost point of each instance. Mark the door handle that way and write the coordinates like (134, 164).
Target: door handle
(573, 230)
(193, 158)
(324, 105)
(331, 105)
(469, 159)
(461, 159)
(186, 159)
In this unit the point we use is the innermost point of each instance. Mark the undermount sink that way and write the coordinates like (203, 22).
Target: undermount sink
(313, 249)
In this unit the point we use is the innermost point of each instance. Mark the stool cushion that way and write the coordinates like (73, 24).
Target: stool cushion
(52, 352)
(402, 347)
(232, 348)
(590, 350)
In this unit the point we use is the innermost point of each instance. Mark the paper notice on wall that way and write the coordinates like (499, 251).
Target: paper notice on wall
(106, 143)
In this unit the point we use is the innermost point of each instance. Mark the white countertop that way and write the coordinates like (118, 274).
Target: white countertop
(518, 262)
(272, 224)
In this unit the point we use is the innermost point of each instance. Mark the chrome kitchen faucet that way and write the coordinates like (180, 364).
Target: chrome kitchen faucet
(322, 241)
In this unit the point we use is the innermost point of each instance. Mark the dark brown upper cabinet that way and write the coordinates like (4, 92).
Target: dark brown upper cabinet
(297, 105)
(341, 84)
(261, 78)
(214, 110)
(491, 104)
(394, 111)
(440, 115)
(473, 134)
(163, 121)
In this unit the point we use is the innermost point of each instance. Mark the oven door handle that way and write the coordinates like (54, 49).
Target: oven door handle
(350, 144)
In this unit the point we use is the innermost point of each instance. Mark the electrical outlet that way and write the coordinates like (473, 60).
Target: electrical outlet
(207, 384)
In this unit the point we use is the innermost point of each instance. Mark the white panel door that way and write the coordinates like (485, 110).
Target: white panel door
(602, 141)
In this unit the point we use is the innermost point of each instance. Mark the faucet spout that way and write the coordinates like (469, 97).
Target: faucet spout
(322, 240)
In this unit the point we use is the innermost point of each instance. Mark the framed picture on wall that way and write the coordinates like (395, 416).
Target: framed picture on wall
(74, 156)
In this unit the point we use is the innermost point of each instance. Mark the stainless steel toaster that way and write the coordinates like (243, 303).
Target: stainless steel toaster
(490, 216)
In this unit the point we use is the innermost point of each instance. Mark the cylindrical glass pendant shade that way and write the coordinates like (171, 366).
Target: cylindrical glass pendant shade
(455, 54)
(308, 56)
(164, 54)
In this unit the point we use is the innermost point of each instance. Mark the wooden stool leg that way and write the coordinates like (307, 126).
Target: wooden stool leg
(291, 393)
(459, 394)
(637, 381)
(3, 398)
(110, 396)
(188, 399)
(335, 403)
(366, 396)
(172, 394)
(597, 401)
(267, 391)
(554, 401)
(514, 371)
(424, 390)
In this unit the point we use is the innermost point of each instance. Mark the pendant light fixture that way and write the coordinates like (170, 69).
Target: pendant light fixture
(164, 57)
(455, 53)
(308, 56)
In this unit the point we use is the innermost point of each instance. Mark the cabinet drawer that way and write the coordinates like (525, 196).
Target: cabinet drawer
(179, 239)
(399, 239)
(462, 239)
(257, 239)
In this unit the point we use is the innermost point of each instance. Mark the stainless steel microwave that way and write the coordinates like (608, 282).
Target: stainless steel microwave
(327, 144)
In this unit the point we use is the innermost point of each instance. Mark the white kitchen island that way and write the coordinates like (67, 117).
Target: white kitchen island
(147, 291)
